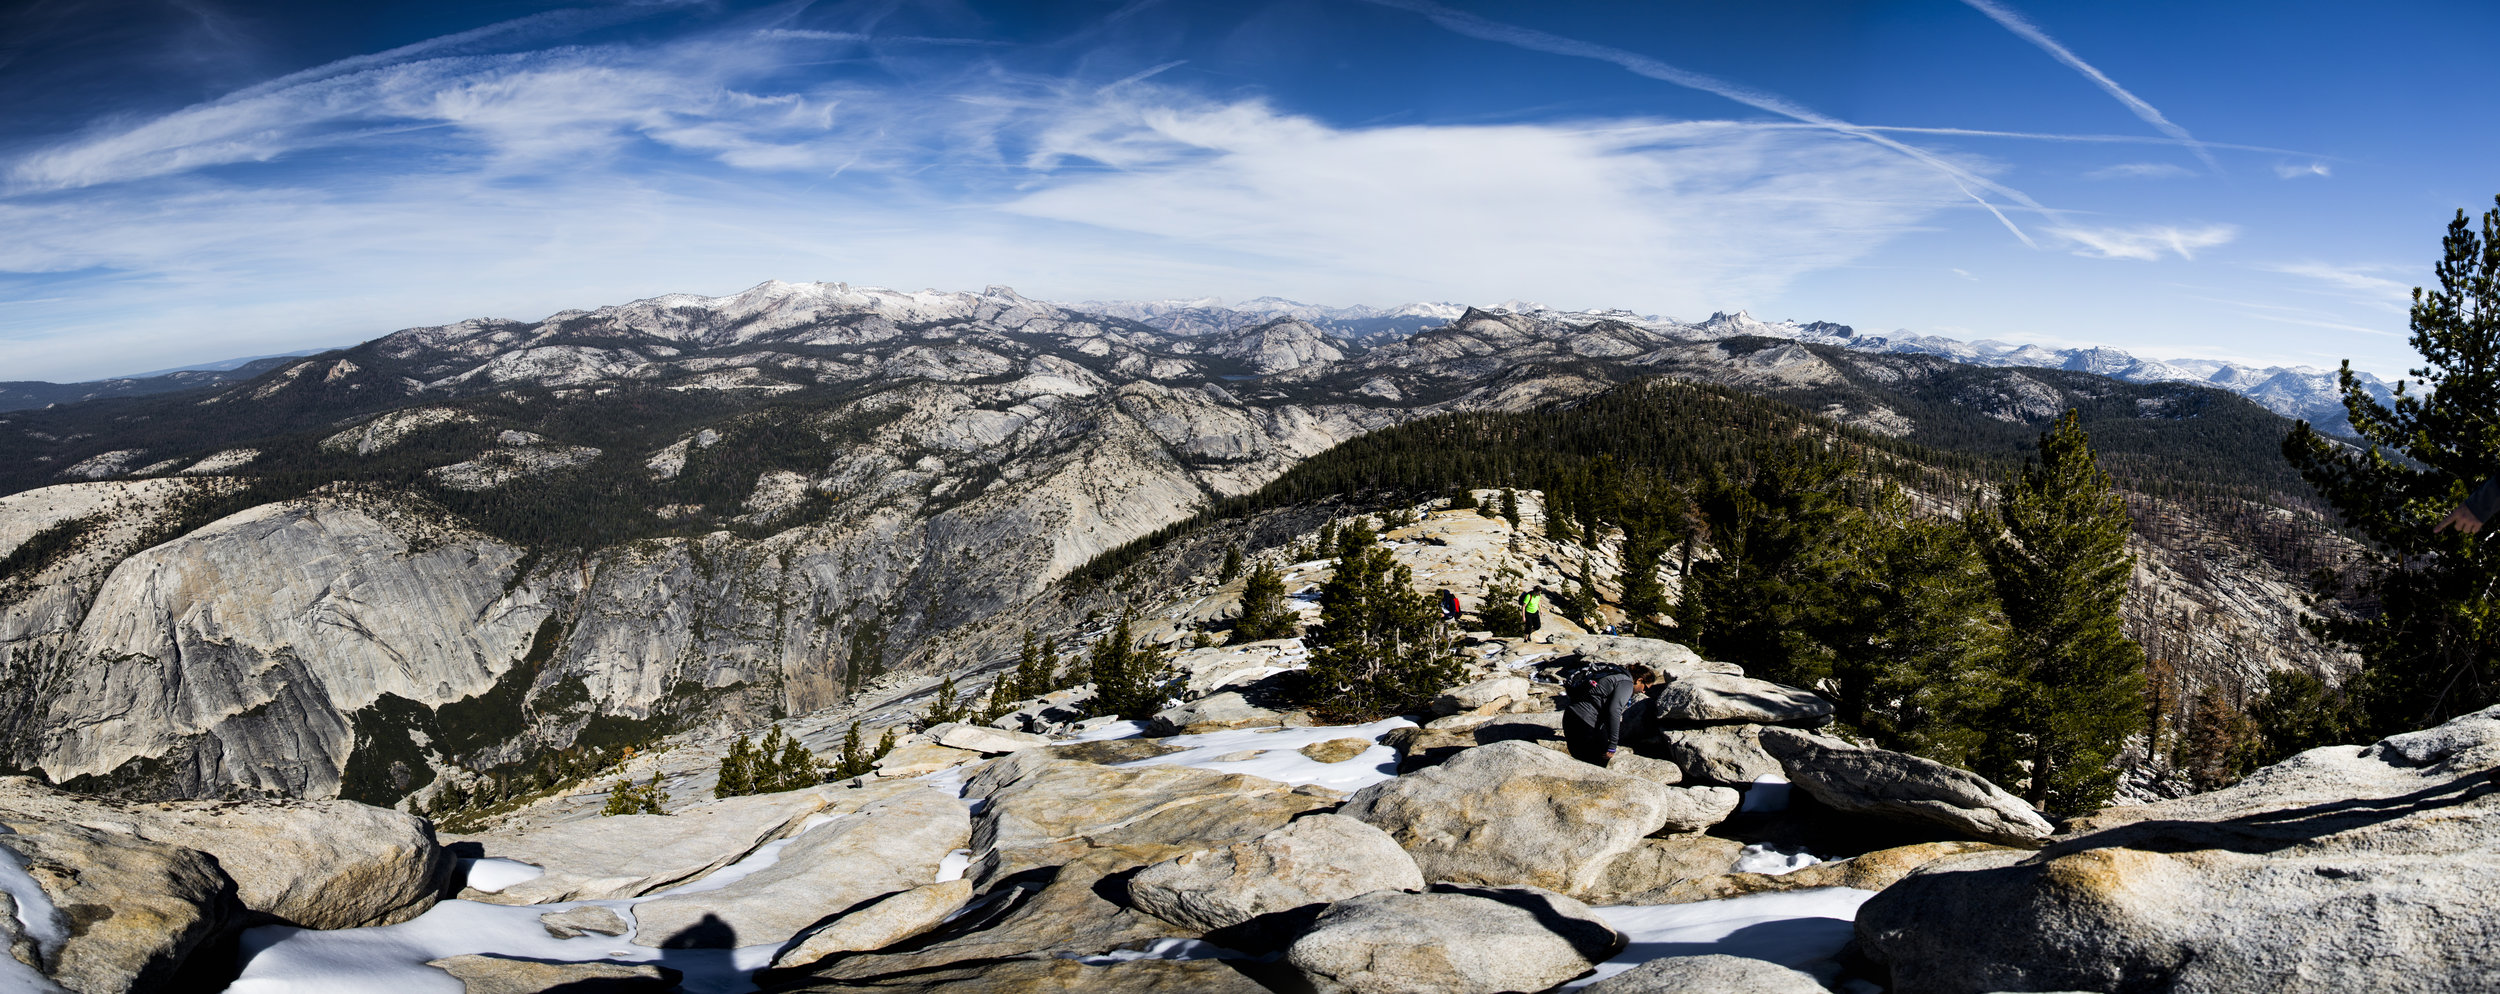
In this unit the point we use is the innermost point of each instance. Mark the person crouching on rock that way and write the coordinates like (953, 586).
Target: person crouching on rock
(1449, 606)
(1602, 698)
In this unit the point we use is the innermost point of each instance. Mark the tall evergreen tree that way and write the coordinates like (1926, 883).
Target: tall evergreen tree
(853, 760)
(1232, 565)
(945, 706)
(2430, 646)
(796, 766)
(1130, 680)
(1644, 597)
(1510, 506)
(1035, 672)
(1785, 532)
(1918, 633)
(2071, 680)
(1263, 612)
(737, 770)
(1380, 647)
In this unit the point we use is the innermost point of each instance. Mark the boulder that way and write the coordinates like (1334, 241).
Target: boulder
(1315, 860)
(1899, 786)
(480, 974)
(1730, 755)
(2344, 868)
(1692, 809)
(1657, 771)
(1872, 871)
(312, 864)
(1653, 865)
(1111, 752)
(891, 919)
(1221, 713)
(1454, 940)
(1721, 699)
(588, 919)
(1483, 696)
(1040, 800)
(1099, 975)
(1062, 910)
(1709, 974)
(892, 845)
(1336, 750)
(1419, 748)
(920, 759)
(632, 855)
(1514, 813)
(1671, 660)
(983, 739)
(117, 912)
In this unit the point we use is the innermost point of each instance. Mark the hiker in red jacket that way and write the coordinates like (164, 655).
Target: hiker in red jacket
(2477, 511)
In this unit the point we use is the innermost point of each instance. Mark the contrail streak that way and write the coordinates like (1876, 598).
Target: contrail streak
(2031, 32)
(1534, 40)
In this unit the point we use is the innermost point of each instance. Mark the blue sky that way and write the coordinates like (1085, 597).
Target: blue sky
(187, 180)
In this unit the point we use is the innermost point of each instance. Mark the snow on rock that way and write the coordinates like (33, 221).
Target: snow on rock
(1803, 930)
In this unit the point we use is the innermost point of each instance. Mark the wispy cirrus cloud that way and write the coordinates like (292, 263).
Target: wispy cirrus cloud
(2023, 28)
(2145, 243)
(2140, 170)
(1529, 38)
(2301, 170)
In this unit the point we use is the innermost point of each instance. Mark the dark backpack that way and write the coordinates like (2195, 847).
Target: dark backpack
(1580, 682)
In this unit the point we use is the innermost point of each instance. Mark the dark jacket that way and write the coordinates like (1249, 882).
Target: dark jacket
(2485, 502)
(1606, 714)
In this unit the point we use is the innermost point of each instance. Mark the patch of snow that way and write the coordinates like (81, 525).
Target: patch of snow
(762, 858)
(1801, 929)
(1759, 858)
(1110, 730)
(1163, 949)
(1279, 754)
(954, 865)
(494, 873)
(37, 920)
(1768, 793)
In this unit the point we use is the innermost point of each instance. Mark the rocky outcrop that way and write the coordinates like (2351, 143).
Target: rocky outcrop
(2344, 868)
(581, 920)
(886, 921)
(1454, 939)
(1693, 879)
(633, 855)
(987, 741)
(1315, 860)
(1904, 787)
(115, 912)
(1722, 699)
(511, 975)
(886, 847)
(1219, 713)
(313, 864)
(1043, 800)
(1722, 754)
(1514, 813)
(1714, 974)
(1653, 866)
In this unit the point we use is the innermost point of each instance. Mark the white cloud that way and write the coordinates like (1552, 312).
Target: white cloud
(2140, 170)
(2299, 170)
(2032, 33)
(2359, 283)
(2145, 242)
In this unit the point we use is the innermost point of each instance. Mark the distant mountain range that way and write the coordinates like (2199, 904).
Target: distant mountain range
(2304, 392)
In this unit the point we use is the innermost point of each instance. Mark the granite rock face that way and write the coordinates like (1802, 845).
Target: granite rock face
(1900, 786)
(1315, 860)
(889, 920)
(1042, 800)
(886, 847)
(1712, 974)
(313, 864)
(122, 913)
(1454, 939)
(1514, 813)
(2344, 868)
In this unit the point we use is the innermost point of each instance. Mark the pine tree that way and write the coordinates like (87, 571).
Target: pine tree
(1130, 680)
(885, 746)
(1462, 499)
(2217, 735)
(1034, 674)
(944, 707)
(2430, 647)
(1510, 506)
(1326, 543)
(1500, 612)
(1232, 565)
(1787, 531)
(1380, 647)
(2070, 681)
(854, 758)
(1263, 612)
(1916, 638)
(1002, 700)
(737, 770)
(1644, 597)
(798, 767)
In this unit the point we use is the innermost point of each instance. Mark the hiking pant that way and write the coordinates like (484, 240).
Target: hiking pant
(1586, 742)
